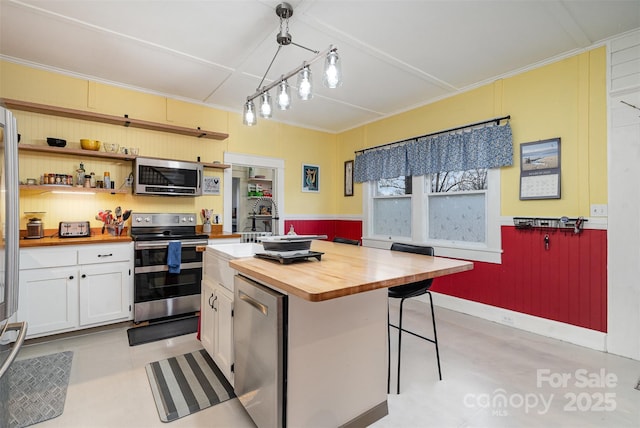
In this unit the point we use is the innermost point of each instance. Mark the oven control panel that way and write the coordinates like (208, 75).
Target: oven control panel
(146, 219)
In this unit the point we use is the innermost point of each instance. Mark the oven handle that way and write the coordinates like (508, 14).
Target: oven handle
(163, 268)
(140, 245)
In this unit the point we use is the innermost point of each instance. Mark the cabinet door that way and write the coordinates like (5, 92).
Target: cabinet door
(223, 351)
(48, 300)
(207, 315)
(105, 293)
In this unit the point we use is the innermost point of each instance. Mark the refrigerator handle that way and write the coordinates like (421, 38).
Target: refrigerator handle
(250, 300)
(22, 327)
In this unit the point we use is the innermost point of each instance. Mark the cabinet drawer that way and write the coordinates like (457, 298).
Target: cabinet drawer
(36, 258)
(105, 254)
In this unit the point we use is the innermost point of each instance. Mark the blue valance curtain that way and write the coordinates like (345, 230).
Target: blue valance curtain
(487, 147)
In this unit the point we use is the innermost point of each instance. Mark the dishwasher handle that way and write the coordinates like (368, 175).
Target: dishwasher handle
(22, 326)
(253, 302)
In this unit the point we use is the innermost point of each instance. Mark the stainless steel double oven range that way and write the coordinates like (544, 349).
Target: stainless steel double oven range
(159, 293)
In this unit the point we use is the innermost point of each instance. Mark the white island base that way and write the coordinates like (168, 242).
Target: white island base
(337, 361)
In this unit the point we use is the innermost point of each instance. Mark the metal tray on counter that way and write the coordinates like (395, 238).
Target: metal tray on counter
(289, 258)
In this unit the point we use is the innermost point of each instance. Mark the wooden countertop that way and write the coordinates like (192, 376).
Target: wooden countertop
(347, 269)
(51, 238)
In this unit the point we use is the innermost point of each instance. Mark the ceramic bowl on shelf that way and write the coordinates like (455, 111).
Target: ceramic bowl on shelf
(56, 142)
(90, 144)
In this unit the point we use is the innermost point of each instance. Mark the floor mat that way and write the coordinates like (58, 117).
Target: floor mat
(162, 330)
(186, 384)
(38, 388)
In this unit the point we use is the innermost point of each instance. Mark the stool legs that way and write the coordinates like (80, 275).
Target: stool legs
(400, 330)
(435, 335)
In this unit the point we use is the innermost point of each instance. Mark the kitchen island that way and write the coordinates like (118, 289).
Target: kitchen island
(336, 344)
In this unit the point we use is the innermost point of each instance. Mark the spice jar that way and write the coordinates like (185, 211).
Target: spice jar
(87, 181)
(93, 179)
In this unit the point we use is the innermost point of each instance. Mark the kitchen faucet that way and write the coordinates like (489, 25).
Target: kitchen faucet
(253, 217)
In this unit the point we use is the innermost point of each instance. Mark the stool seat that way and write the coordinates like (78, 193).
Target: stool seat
(407, 291)
(341, 240)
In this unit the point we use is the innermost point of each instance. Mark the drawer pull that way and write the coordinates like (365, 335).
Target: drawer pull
(105, 255)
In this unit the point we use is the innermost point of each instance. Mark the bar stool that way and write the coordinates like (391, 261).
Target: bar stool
(404, 292)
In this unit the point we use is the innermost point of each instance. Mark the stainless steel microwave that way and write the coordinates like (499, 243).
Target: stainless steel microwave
(167, 177)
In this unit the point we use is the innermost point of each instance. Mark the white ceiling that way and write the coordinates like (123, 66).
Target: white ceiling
(395, 55)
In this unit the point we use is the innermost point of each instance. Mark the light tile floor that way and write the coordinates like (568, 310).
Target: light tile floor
(493, 376)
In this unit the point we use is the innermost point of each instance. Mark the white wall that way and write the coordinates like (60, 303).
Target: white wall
(623, 268)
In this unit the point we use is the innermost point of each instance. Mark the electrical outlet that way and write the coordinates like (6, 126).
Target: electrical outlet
(599, 210)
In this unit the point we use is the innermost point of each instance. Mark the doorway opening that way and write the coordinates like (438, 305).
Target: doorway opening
(253, 196)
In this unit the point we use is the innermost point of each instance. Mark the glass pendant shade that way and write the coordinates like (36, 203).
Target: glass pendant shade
(266, 105)
(304, 84)
(249, 116)
(284, 96)
(332, 70)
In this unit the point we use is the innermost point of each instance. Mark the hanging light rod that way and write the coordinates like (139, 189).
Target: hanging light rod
(332, 74)
(292, 73)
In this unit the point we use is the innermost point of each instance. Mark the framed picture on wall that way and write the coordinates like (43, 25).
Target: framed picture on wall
(211, 185)
(348, 178)
(540, 169)
(310, 178)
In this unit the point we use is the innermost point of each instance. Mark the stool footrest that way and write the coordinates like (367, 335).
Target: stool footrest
(414, 334)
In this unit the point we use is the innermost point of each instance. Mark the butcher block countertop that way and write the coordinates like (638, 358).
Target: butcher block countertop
(346, 269)
(51, 238)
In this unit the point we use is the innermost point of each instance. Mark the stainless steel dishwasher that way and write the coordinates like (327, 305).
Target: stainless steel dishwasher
(259, 335)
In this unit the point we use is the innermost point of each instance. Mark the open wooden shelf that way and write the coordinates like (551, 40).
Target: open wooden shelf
(39, 189)
(66, 151)
(124, 120)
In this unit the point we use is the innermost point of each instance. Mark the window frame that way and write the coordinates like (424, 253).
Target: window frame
(490, 251)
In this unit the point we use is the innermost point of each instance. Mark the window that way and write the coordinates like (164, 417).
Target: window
(456, 203)
(458, 213)
(392, 207)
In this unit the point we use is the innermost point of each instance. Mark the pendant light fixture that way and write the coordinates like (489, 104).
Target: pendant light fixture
(266, 105)
(332, 70)
(332, 76)
(249, 115)
(304, 84)
(284, 95)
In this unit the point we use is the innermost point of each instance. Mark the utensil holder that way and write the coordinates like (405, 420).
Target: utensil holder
(206, 227)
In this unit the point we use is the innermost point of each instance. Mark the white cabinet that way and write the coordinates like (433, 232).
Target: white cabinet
(216, 329)
(105, 283)
(223, 331)
(48, 299)
(66, 288)
(216, 325)
(207, 316)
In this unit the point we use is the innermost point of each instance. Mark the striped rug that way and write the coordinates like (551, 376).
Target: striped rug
(186, 384)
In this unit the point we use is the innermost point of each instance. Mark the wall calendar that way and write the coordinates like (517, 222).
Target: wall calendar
(540, 169)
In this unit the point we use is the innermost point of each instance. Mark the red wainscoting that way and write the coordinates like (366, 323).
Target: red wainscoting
(351, 229)
(566, 282)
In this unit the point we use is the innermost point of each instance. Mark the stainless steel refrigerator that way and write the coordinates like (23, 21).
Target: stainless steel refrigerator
(12, 334)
